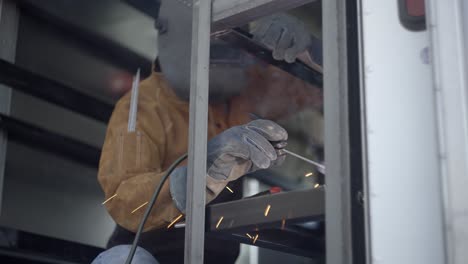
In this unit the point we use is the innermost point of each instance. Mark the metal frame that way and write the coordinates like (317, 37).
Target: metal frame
(9, 19)
(49, 141)
(198, 131)
(94, 43)
(449, 42)
(249, 213)
(54, 92)
(194, 234)
(151, 8)
(198, 103)
(26, 247)
(281, 229)
(229, 14)
(357, 144)
(337, 154)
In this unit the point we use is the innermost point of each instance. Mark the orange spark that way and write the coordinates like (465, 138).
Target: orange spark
(255, 239)
(136, 209)
(174, 221)
(108, 199)
(267, 210)
(219, 221)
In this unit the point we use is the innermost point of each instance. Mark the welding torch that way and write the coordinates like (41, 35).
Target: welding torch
(320, 166)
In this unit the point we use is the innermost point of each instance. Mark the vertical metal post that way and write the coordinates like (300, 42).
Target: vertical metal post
(337, 210)
(195, 212)
(448, 30)
(8, 34)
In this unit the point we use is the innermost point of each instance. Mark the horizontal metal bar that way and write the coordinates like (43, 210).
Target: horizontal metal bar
(150, 8)
(294, 206)
(26, 247)
(296, 242)
(229, 14)
(91, 42)
(242, 40)
(53, 91)
(275, 219)
(273, 178)
(16, 256)
(40, 138)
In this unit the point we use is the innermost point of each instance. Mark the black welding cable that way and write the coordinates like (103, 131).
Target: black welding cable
(150, 206)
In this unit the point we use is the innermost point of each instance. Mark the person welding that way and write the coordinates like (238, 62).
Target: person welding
(133, 162)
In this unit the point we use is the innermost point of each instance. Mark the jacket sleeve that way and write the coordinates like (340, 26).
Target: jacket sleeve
(131, 167)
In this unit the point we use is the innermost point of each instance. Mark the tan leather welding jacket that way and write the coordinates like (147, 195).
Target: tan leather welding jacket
(133, 163)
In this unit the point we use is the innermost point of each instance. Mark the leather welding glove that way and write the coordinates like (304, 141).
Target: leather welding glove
(232, 154)
(284, 34)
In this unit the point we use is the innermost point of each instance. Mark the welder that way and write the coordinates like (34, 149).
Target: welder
(133, 162)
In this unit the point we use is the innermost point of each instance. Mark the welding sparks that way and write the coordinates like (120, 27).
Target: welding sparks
(136, 209)
(316, 185)
(267, 210)
(174, 221)
(110, 198)
(219, 221)
(229, 189)
(309, 174)
(255, 239)
(283, 224)
(249, 235)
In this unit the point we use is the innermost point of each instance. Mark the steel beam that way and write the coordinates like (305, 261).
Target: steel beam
(293, 206)
(338, 206)
(234, 13)
(43, 139)
(290, 240)
(53, 92)
(97, 45)
(150, 8)
(276, 219)
(448, 28)
(26, 247)
(198, 131)
(9, 19)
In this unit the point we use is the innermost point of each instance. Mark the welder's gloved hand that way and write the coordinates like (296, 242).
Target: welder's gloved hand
(244, 149)
(119, 254)
(232, 154)
(284, 34)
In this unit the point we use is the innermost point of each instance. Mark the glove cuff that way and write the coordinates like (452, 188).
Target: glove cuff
(178, 187)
